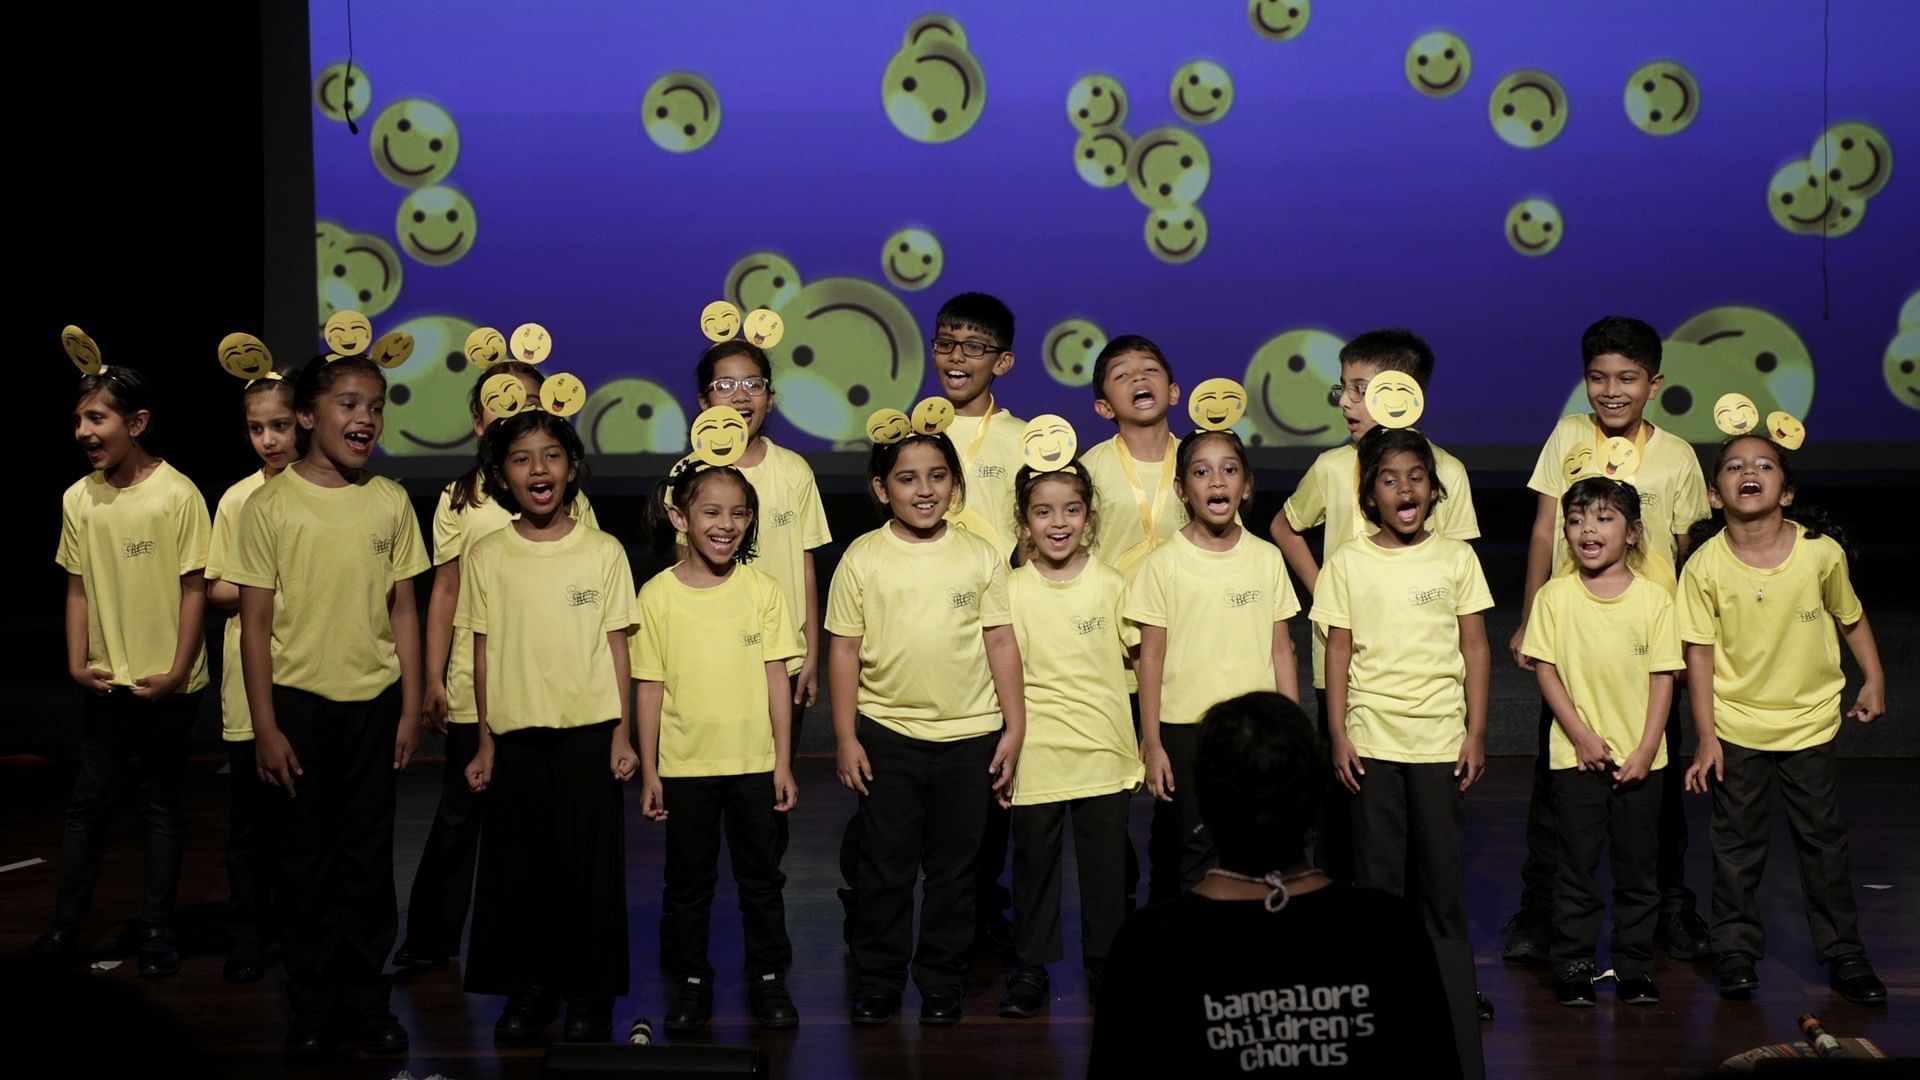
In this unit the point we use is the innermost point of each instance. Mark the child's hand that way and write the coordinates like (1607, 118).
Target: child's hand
(1005, 753)
(93, 679)
(1869, 705)
(1707, 760)
(850, 764)
(1159, 772)
(1346, 764)
(623, 760)
(807, 688)
(1638, 767)
(1592, 752)
(434, 707)
(480, 769)
(1472, 763)
(155, 687)
(786, 793)
(274, 758)
(406, 739)
(1517, 646)
(653, 798)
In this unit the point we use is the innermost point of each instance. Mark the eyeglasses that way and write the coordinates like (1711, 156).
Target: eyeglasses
(974, 349)
(1340, 391)
(754, 385)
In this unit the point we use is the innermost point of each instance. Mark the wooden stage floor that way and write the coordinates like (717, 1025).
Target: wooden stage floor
(239, 1027)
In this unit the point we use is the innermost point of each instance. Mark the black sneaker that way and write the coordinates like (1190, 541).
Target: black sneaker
(1026, 993)
(589, 1020)
(691, 1007)
(528, 1012)
(1638, 990)
(245, 963)
(1738, 980)
(1684, 935)
(159, 954)
(1528, 938)
(1853, 979)
(382, 1034)
(56, 946)
(1573, 984)
(772, 1006)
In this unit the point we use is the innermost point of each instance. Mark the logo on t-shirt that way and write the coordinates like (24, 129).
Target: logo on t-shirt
(1288, 1027)
(749, 638)
(1806, 614)
(582, 597)
(1244, 597)
(1423, 597)
(133, 549)
(382, 545)
(1648, 500)
(1089, 625)
(1640, 648)
(782, 518)
(962, 598)
(988, 472)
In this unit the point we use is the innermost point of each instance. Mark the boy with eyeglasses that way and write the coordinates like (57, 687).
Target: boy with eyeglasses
(973, 346)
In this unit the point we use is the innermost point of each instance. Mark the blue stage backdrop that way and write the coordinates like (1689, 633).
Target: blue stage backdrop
(1247, 184)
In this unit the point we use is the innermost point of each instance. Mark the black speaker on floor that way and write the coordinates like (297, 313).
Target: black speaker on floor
(605, 1061)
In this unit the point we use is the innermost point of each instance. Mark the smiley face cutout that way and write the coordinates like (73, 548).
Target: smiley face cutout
(932, 416)
(1618, 459)
(1100, 157)
(888, 426)
(719, 435)
(1579, 462)
(1168, 168)
(1279, 20)
(1735, 414)
(1662, 98)
(681, 112)
(1048, 443)
(485, 347)
(1217, 404)
(244, 356)
(341, 92)
(530, 343)
(1534, 227)
(1786, 429)
(1394, 399)
(1438, 64)
(1095, 102)
(414, 143)
(502, 395)
(392, 349)
(934, 92)
(1201, 92)
(347, 333)
(1528, 109)
(83, 352)
(912, 259)
(436, 225)
(719, 321)
(763, 328)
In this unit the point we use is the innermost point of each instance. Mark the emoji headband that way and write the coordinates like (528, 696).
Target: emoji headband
(1736, 414)
(81, 350)
(1217, 404)
(1048, 443)
(1615, 459)
(244, 356)
(561, 394)
(530, 344)
(1394, 400)
(721, 321)
(347, 333)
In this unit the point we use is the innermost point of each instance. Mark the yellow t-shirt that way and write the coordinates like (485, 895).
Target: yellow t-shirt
(792, 522)
(332, 555)
(236, 722)
(1073, 637)
(1606, 652)
(1673, 491)
(710, 647)
(1218, 608)
(546, 608)
(1406, 683)
(1329, 494)
(1776, 655)
(990, 454)
(131, 546)
(1120, 533)
(920, 610)
(454, 534)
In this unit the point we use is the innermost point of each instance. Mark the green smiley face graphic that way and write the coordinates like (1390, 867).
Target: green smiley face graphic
(1095, 102)
(436, 225)
(427, 394)
(414, 143)
(1201, 92)
(911, 259)
(850, 347)
(1287, 382)
(1438, 64)
(1100, 157)
(1528, 109)
(1534, 227)
(681, 112)
(1730, 350)
(361, 272)
(1168, 167)
(632, 416)
(1069, 349)
(1662, 98)
(934, 92)
(762, 279)
(1176, 234)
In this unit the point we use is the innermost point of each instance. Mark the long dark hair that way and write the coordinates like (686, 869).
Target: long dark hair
(880, 463)
(470, 488)
(678, 490)
(499, 440)
(1816, 521)
(316, 377)
(1374, 447)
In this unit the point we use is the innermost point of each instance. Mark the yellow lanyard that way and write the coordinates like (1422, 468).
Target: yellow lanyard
(979, 437)
(1149, 512)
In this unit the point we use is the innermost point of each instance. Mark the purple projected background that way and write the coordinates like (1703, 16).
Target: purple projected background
(1339, 200)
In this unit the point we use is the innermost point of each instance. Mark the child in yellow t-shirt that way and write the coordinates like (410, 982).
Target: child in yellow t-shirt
(1760, 597)
(1407, 670)
(330, 647)
(133, 541)
(716, 741)
(548, 602)
(1080, 759)
(268, 405)
(1212, 605)
(928, 717)
(465, 513)
(1605, 647)
(1133, 471)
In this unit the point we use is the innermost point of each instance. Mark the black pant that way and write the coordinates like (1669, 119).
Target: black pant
(335, 833)
(443, 882)
(1333, 829)
(924, 812)
(1589, 811)
(1742, 814)
(120, 733)
(251, 810)
(1409, 823)
(1179, 847)
(699, 808)
(1543, 836)
(551, 907)
(1099, 838)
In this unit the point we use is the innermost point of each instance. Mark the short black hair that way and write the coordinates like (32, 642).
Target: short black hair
(1392, 349)
(502, 434)
(978, 311)
(1587, 491)
(1374, 447)
(1624, 336)
(1118, 347)
(1260, 774)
